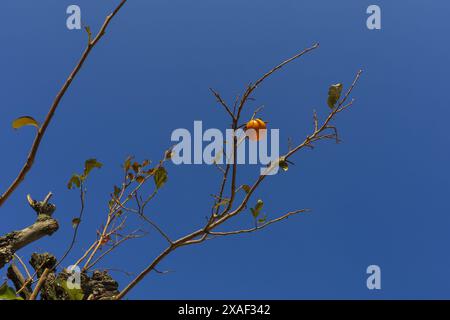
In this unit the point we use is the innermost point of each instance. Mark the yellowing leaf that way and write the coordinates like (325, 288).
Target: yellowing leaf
(91, 164)
(136, 166)
(127, 163)
(246, 188)
(334, 93)
(145, 163)
(160, 177)
(140, 179)
(24, 121)
(263, 219)
(74, 180)
(117, 191)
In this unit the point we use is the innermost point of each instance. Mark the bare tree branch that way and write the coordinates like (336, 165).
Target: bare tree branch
(18, 280)
(222, 102)
(38, 286)
(215, 221)
(42, 129)
(262, 226)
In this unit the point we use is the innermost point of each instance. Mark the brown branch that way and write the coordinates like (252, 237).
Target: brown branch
(283, 217)
(189, 240)
(42, 129)
(248, 92)
(75, 231)
(45, 225)
(18, 280)
(23, 265)
(156, 227)
(222, 102)
(141, 276)
(39, 284)
(251, 88)
(325, 124)
(133, 235)
(201, 235)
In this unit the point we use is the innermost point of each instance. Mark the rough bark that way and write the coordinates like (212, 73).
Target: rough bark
(45, 225)
(18, 280)
(96, 286)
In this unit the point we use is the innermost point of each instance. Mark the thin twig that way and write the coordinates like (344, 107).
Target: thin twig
(201, 235)
(156, 227)
(114, 246)
(75, 232)
(259, 227)
(222, 102)
(23, 265)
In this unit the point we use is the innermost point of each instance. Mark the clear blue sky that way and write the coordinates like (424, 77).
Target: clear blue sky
(380, 197)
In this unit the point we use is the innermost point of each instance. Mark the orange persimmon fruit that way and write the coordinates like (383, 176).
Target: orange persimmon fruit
(255, 129)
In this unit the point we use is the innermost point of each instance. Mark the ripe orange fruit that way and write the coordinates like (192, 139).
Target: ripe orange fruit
(253, 129)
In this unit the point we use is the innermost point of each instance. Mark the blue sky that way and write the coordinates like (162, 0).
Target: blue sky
(380, 197)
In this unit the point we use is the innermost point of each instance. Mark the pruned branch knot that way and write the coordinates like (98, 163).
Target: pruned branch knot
(43, 208)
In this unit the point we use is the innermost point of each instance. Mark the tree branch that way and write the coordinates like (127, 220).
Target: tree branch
(42, 129)
(201, 235)
(283, 217)
(19, 281)
(39, 284)
(45, 225)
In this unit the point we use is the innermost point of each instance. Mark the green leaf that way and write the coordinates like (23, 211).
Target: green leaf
(89, 165)
(74, 180)
(263, 219)
(334, 93)
(75, 222)
(259, 205)
(145, 163)
(160, 177)
(74, 294)
(257, 209)
(127, 163)
(7, 293)
(136, 166)
(24, 121)
(117, 191)
(246, 188)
